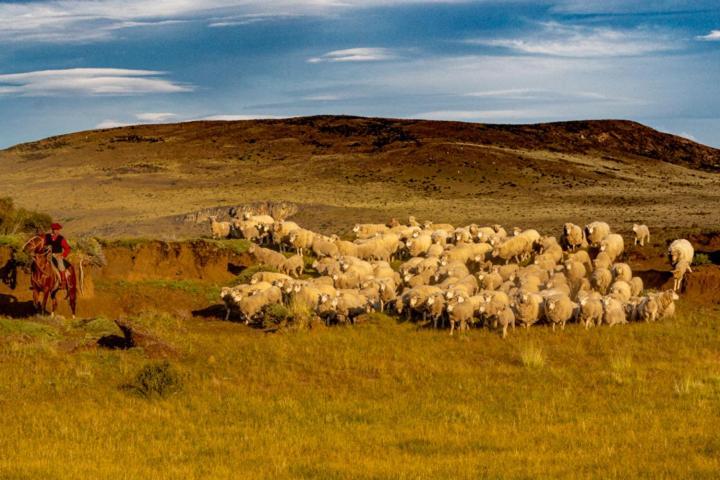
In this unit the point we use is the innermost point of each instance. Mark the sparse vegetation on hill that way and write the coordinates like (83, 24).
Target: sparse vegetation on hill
(14, 220)
(153, 179)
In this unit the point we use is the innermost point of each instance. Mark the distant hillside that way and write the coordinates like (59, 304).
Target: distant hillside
(126, 180)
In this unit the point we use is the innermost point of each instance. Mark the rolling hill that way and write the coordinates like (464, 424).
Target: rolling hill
(142, 180)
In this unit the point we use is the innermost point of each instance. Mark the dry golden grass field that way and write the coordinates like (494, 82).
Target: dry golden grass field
(383, 399)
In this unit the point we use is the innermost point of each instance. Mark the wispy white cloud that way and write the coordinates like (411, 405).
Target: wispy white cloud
(561, 40)
(323, 98)
(355, 55)
(688, 136)
(155, 117)
(92, 20)
(109, 123)
(713, 36)
(88, 81)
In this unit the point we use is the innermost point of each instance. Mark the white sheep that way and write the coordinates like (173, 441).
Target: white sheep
(302, 240)
(636, 286)
(528, 308)
(219, 229)
(613, 311)
(613, 245)
(293, 266)
(514, 247)
(573, 236)
(559, 309)
(642, 234)
(591, 311)
(680, 250)
(596, 231)
(681, 268)
(367, 230)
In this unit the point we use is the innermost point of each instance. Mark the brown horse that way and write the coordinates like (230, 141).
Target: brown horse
(45, 278)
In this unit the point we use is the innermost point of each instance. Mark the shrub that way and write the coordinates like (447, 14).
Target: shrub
(156, 379)
(702, 259)
(19, 220)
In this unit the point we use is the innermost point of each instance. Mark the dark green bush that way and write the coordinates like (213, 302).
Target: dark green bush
(156, 380)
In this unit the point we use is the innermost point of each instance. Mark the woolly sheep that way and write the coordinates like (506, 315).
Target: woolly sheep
(596, 231)
(266, 256)
(642, 234)
(514, 247)
(680, 250)
(419, 245)
(602, 260)
(666, 304)
(559, 309)
(613, 311)
(528, 308)
(302, 240)
(367, 230)
(583, 257)
(322, 247)
(621, 290)
(613, 245)
(490, 281)
(601, 279)
(679, 271)
(293, 266)
(460, 313)
(636, 286)
(250, 306)
(219, 229)
(622, 271)
(573, 236)
(591, 311)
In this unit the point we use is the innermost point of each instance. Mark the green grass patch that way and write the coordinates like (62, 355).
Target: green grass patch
(235, 245)
(702, 259)
(25, 327)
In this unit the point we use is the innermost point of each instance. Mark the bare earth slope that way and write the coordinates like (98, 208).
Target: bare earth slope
(139, 180)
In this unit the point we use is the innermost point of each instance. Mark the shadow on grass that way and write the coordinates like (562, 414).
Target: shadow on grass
(11, 307)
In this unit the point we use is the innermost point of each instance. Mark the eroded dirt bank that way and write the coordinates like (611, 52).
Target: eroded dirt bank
(184, 278)
(173, 277)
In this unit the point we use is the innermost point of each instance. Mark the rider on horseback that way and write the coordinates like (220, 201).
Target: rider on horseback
(60, 250)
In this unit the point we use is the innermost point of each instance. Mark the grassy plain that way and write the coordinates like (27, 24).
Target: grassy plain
(380, 400)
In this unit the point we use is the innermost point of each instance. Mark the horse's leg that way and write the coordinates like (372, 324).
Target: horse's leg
(46, 293)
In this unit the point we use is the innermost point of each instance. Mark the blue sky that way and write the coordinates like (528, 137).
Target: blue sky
(70, 65)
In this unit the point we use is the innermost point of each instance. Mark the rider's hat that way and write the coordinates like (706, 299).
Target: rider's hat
(56, 226)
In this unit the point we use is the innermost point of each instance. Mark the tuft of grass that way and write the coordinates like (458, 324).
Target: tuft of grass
(620, 367)
(156, 380)
(702, 259)
(687, 386)
(532, 355)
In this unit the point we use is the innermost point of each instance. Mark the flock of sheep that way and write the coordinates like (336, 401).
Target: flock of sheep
(457, 277)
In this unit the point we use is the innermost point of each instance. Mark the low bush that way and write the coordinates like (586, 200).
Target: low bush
(156, 380)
